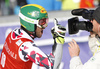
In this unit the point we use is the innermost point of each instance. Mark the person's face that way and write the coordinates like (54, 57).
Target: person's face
(39, 32)
(42, 25)
(96, 27)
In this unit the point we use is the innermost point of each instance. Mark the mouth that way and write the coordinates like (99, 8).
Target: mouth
(42, 31)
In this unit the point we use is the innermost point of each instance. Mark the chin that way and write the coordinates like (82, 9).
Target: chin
(39, 36)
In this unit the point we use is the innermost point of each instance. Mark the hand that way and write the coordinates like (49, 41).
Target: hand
(74, 49)
(58, 32)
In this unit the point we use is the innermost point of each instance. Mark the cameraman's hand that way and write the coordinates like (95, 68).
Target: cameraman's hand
(58, 32)
(74, 49)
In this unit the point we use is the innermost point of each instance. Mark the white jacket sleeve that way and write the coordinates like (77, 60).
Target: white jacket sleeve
(92, 43)
(92, 63)
(75, 63)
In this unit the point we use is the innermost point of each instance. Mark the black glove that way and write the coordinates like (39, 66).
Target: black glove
(58, 32)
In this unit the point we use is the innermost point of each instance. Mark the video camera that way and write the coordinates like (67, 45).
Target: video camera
(74, 25)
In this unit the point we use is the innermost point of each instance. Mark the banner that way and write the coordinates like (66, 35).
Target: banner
(87, 4)
(70, 4)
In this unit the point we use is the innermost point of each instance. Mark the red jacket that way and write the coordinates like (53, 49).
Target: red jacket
(19, 52)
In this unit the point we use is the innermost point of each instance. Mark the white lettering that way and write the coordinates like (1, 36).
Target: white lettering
(12, 54)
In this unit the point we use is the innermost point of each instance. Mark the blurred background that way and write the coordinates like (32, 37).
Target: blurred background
(11, 7)
(60, 9)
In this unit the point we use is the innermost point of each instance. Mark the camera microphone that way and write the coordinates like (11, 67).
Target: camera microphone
(86, 14)
(78, 12)
(74, 25)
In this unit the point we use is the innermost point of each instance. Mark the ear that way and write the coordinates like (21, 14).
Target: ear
(92, 20)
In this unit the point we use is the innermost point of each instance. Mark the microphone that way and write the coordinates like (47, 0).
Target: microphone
(78, 12)
(87, 14)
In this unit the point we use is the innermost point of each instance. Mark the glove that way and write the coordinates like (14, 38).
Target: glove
(58, 32)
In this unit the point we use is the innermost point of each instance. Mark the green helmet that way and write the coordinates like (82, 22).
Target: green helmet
(30, 15)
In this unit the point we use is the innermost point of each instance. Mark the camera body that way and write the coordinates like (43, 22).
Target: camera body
(74, 25)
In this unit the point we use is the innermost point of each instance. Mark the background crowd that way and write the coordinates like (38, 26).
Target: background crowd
(11, 7)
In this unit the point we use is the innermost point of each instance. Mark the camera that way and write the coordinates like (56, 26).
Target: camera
(74, 25)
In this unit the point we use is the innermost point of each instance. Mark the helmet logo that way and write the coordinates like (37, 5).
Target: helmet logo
(43, 10)
(34, 13)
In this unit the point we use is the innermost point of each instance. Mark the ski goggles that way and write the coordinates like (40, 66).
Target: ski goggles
(43, 23)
